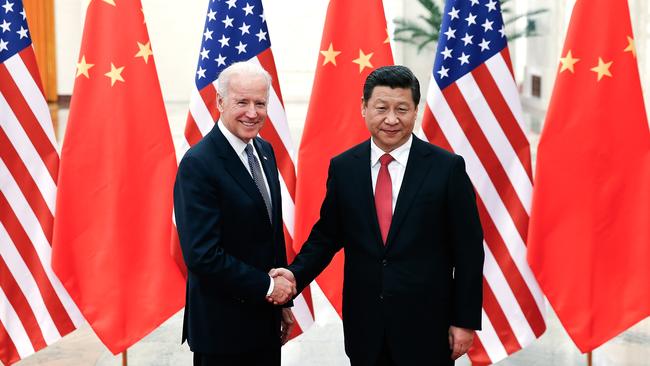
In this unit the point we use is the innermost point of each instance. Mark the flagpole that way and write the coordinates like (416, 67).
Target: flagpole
(124, 358)
(589, 358)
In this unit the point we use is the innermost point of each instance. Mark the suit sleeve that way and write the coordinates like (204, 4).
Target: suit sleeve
(324, 239)
(281, 260)
(467, 249)
(199, 219)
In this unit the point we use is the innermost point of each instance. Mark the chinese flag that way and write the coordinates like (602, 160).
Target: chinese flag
(114, 206)
(589, 238)
(354, 42)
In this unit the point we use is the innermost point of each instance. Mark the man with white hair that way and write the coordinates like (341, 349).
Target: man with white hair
(229, 218)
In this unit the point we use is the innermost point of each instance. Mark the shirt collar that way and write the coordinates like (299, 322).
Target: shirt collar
(400, 154)
(237, 144)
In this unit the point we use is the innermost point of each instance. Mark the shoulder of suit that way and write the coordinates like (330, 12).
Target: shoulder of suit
(437, 151)
(265, 145)
(197, 150)
(263, 142)
(354, 151)
(208, 148)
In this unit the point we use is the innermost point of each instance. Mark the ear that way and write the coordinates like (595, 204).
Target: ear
(219, 103)
(363, 108)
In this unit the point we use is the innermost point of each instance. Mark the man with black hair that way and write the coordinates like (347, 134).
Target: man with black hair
(405, 212)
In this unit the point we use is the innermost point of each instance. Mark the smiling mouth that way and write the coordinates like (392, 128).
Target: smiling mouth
(248, 123)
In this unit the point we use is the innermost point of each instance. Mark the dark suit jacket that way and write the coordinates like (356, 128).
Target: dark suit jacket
(229, 245)
(427, 277)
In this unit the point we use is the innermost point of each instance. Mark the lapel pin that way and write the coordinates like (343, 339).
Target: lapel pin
(264, 157)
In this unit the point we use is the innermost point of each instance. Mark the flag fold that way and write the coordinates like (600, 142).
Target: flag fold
(35, 308)
(589, 233)
(473, 109)
(114, 205)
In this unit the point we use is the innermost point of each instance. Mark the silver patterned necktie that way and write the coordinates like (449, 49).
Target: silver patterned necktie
(256, 172)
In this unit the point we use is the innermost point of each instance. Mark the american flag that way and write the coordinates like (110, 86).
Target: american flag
(236, 30)
(35, 309)
(473, 109)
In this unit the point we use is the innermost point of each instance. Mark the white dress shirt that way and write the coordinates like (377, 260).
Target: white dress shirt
(396, 168)
(239, 146)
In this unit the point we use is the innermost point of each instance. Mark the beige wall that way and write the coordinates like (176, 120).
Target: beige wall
(541, 55)
(176, 30)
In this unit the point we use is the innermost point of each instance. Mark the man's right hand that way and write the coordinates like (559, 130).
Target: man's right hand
(276, 272)
(283, 289)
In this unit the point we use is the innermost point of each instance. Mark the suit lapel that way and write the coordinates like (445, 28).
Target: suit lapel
(270, 170)
(362, 179)
(236, 169)
(416, 169)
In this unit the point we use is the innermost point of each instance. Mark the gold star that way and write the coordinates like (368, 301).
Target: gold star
(387, 40)
(330, 55)
(568, 61)
(602, 68)
(364, 60)
(145, 51)
(112, 2)
(83, 67)
(630, 46)
(115, 74)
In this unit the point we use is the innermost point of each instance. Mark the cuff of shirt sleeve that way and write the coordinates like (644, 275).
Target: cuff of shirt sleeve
(271, 286)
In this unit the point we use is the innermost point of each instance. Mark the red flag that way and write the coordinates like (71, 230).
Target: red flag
(35, 309)
(354, 43)
(589, 238)
(112, 228)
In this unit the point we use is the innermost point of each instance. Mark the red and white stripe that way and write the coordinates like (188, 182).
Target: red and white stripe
(480, 118)
(35, 309)
(201, 119)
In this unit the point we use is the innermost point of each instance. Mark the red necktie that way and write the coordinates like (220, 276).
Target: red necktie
(384, 196)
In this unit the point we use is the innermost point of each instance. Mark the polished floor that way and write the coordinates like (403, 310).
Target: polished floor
(322, 345)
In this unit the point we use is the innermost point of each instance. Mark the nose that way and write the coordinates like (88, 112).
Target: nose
(251, 112)
(391, 118)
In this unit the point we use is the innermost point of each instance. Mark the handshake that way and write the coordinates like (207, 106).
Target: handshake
(284, 287)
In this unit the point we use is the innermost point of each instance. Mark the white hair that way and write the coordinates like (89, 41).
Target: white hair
(245, 68)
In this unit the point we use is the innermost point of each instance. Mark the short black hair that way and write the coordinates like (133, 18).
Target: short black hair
(395, 76)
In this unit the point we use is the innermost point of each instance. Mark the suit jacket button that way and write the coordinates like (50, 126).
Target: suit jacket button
(381, 297)
(384, 262)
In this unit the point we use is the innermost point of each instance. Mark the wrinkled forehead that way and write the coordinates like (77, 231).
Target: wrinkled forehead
(248, 86)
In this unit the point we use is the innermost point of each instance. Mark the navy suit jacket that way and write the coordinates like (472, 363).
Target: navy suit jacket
(428, 276)
(229, 245)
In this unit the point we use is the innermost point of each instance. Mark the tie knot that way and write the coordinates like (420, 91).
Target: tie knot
(249, 149)
(385, 159)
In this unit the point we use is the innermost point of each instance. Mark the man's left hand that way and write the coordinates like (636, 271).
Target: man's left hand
(460, 340)
(286, 325)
